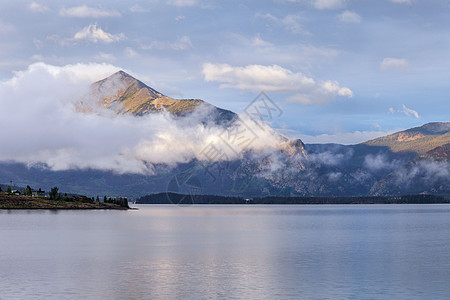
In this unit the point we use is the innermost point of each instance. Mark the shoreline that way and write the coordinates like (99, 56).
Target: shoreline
(13, 202)
(185, 199)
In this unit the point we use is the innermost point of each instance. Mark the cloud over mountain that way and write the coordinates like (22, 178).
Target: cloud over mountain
(38, 108)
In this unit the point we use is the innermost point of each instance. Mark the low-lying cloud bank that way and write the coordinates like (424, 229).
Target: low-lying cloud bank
(40, 124)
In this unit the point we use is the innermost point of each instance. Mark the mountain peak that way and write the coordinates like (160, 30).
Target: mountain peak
(122, 80)
(125, 94)
(433, 128)
(121, 74)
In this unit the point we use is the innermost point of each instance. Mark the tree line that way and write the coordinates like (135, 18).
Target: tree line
(54, 194)
(174, 198)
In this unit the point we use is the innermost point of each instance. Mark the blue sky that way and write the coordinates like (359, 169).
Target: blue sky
(341, 70)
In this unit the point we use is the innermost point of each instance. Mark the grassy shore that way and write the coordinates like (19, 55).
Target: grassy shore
(26, 202)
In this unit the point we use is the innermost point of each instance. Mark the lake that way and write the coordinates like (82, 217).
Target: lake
(227, 252)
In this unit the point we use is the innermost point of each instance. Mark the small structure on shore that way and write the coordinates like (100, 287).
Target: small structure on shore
(38, 193)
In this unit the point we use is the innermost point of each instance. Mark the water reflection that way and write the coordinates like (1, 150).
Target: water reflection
(255, 252)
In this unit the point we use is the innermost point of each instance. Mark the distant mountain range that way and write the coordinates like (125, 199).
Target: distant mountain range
(407, 162)
(418, 139)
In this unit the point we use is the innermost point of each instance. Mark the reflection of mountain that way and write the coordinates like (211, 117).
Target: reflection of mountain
(412, 161)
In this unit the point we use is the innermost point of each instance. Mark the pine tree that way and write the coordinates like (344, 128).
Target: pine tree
(28, 191)
(54, 193)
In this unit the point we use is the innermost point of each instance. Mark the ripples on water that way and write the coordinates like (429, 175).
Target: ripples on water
(233, 252)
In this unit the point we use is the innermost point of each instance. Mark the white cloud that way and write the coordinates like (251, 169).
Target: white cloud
(138, 9)
(329, 4)
(94, 34)
(84, 11)
(182, 43)
(379, 162)
(130, 53)
(401, 1)
(51, 131)
(182, 3)
(422, 171)
(105, 57)
(302, 89)
(409, 112)
(179, 18)
(393, 63)
(288, 1)
(76, 73)
(6, 27)
(319, 52)
(404, 110)
(318, 4)
(257, 41)
(334, 176)
(349, 17)
(36, 7)
(291, 23)
(332, 157)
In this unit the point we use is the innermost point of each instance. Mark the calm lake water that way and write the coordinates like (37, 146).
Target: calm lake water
(232, 252)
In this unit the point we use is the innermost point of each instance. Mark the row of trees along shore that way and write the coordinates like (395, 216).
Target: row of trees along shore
(54, 194)
(174, 198)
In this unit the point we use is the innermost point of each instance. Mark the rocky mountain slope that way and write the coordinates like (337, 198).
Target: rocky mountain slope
(124, 94)
(428, 173)
(325, 170)
(418, 139)
(440, 153)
